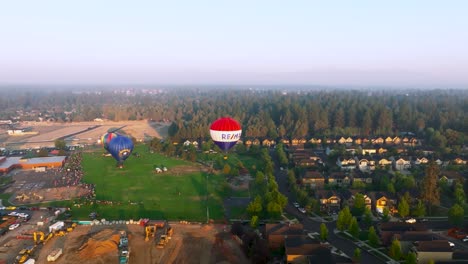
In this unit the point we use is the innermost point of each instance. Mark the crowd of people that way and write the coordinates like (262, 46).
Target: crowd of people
(71, 175)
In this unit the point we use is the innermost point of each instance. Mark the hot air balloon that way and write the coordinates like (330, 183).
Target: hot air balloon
(106, 138)
(120, 148)
(225, 133)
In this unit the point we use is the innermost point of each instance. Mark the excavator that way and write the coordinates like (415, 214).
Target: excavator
(38, 237)
(150, 231)
(164, 238)
(22, 197)
(70, 228)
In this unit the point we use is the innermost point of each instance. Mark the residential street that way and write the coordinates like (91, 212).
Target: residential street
(310, 225)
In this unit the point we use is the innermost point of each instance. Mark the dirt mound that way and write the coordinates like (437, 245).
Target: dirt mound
(100, 244)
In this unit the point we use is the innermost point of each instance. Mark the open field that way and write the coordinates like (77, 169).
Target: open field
(136, 191)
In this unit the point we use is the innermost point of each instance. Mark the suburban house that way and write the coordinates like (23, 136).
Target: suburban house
(366, 165)
(297, 141)
(368, 151)
(451, 177)
(304, 158)
(285, 141)
(389, 140)
(389, 230)
(419, 161)
(248, 142)
(358, 176)
(381, 150)
(256, 142)
(382, 201)
(315, 141)
(339, 178)
(268, 143)
(376, 141)
(409, 238)
(314, 179)
(436, 250)
(299, 249)
(367, 200)
(384, 163)
(396, 140)
(412, 142)
(401, 164)
(276, 234)
(459, 161)
(346, 164)
(330, 201)
(358, 141)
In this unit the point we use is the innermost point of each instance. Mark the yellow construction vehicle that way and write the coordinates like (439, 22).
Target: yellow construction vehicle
(60, 233)
(169, 232)
(150, 231)
(69, 229)
(38, 237)
(22, 197)
(22, 258)
(49, 236)
(37, 196)
(162, 241)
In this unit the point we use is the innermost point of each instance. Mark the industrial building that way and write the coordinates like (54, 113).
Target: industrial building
(9, 163)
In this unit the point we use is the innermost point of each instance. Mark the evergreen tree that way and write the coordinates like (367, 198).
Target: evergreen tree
(359, 205)
(353, 228)
(368, 217)
(403, 208)
(456, 214)
(357, 255)
(344, 219)
(395, 250)
(411, 258)
(373, 237)
(254, 221)
(420, 209)
(255, 207)
(323, 232)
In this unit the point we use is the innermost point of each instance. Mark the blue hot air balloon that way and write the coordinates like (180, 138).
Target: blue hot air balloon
(120, 148)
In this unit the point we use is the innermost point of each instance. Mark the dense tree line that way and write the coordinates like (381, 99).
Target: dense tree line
(438, 113)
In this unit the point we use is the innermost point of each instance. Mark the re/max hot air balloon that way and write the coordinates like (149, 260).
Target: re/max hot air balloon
(225, 133)
(120, 148)
(106, 139)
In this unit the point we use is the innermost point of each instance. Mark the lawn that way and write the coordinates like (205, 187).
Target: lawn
(142, 193)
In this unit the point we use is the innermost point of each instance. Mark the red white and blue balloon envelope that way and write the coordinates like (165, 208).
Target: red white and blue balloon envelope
(225, 132)
(106, 139)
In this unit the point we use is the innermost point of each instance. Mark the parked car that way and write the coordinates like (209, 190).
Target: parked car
(302, 210)
(451, 244)
(14, 226)
(465, 239)
(296, 204)
(410, 221)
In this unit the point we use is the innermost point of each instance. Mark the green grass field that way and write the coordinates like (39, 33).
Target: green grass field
(143, 193)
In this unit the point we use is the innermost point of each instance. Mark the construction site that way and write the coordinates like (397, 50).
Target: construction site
(139, 242)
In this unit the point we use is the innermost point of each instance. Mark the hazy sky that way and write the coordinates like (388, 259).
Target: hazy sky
(235, 42)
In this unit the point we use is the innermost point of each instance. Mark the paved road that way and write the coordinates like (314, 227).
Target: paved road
(344, 245)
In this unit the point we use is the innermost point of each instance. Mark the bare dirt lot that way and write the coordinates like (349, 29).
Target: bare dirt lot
(81, 132)
(35, 187)
(189, 244)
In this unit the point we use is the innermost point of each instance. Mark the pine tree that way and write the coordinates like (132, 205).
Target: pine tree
(373, 237)
(323, 232)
